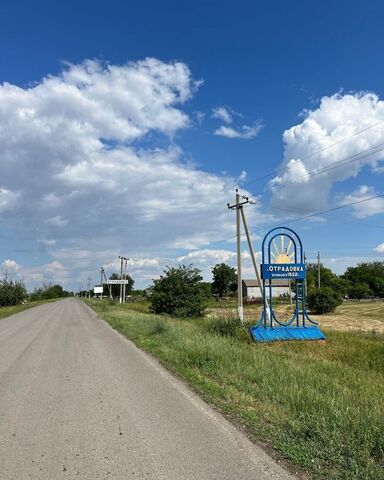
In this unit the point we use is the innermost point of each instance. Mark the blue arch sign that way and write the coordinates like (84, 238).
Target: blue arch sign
(283, 259)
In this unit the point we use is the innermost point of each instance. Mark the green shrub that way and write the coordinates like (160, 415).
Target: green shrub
(12, 293)
(359, 291)
(323, 300)
(178, 292)
(158, 327)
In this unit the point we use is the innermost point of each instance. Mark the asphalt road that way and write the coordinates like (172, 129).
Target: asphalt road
(78, 401)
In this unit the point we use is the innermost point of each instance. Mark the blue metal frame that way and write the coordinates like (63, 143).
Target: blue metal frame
(296, 328)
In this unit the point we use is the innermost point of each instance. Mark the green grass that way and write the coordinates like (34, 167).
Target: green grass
(320, 405)
(7, 311)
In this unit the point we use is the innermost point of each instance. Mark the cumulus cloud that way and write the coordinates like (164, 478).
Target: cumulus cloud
(379, 248)
(223, 114)
(365, 208)
(325, 149)
(11, 265)
(93, 181)
(246, 132)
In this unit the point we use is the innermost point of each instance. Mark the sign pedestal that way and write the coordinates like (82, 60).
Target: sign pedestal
(283, 258)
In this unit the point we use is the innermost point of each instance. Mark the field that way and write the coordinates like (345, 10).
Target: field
(318, 405)
(365, 316)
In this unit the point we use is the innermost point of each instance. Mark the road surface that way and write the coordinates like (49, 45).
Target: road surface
(78, 401)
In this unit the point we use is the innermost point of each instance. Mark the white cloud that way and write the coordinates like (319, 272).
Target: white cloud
(379, 248)
(8, 200)
(223, 114)
(57, 221)
(324, 130)
(246, 132)
(368, 208)
(11, 265)
(92, 181)
(206, 256)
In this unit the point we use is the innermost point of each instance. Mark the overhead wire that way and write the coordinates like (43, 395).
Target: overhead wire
(284, 167)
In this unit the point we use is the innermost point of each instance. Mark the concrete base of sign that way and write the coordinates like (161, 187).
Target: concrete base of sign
(275, 334)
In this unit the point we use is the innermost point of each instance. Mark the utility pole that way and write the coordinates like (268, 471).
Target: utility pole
(122, 260)
(89, 287)
(305, 281)
(5, 275)
(101, 281)
(121, 276)
(238, 205)
(239, 285)
(318, 269)
(125, 278)
(108, 285)
(241, 215)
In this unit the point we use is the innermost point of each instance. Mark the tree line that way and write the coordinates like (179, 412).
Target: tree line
(15, 292)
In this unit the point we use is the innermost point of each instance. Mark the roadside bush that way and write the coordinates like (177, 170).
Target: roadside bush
(12, 293)
(323, 300)
(178, 292)
(48, 292)
(225, 326)
(359, 291)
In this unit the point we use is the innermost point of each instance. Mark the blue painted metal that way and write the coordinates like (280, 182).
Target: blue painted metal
(266, 334)
(300, 327)
(290, 271)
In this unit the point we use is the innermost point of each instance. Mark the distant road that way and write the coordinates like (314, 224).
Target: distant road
(78, 401)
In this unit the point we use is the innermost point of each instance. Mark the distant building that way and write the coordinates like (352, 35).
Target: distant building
(251, 288)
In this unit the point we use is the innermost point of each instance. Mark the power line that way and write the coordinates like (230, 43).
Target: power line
(321, 212)
(333, 166)
(277, 170)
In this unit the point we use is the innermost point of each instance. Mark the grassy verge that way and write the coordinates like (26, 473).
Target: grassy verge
(320, 405)
(7, 311)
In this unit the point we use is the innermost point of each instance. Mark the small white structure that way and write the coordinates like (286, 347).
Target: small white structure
(251, 288)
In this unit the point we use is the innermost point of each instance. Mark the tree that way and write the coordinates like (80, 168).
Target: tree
(12, 293)
(359, 291)
(224, 279)
(178, 292)
(327, 279)
(369, 273)
(323, 300)
(49, 291)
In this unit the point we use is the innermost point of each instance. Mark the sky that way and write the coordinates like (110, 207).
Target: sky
(125, 128)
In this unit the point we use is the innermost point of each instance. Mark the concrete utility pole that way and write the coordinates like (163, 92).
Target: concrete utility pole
(239, 285)
(250, 245)
(318, 270)
(101, 280)
(122, 260)
(121, 276)
(238, 206)
(5, 275)
(89, 287)
(125, 278)
(108, 285)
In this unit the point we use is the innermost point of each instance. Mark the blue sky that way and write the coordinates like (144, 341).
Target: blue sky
(262, 67)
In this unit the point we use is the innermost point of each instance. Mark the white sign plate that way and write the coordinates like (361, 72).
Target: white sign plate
(98, 290)
(117, 282)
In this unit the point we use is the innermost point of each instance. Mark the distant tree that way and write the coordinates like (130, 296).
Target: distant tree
(48, 292)
(323, 300)
(368, 273)
(359, 291)
(327, 278)
(178, 292)
(12, 293)
(206, 288)
(224, 280)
